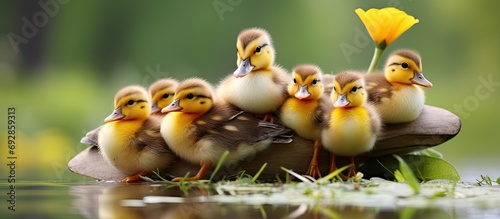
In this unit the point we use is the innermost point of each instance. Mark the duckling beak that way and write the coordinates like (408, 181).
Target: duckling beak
(341, 101)
(174, 106)
(418, 78)
(115, 115)
(155, 108)
(302, 93)
(244, 68)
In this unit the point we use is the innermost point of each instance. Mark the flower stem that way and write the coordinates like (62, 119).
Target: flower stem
(379, 49)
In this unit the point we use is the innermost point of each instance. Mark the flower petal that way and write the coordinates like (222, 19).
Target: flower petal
(385, 24)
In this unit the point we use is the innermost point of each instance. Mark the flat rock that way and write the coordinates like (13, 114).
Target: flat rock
(433, 127)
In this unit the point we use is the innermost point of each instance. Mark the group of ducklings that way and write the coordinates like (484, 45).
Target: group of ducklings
(342, 113)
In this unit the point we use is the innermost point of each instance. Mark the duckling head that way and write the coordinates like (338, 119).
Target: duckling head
(162, 94)
(192, 96)
(254, 50)
(131, 103)
(307, 83)
(405, 67)
(348, 90)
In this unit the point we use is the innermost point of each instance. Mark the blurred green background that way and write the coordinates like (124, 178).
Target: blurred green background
(61, 63)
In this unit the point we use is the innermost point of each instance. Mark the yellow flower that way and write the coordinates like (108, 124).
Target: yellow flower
(386, 23)
(384, 26)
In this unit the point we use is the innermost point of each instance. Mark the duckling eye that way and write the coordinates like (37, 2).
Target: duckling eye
(258, 49)
(294, 81)
(404, 65)
(315, 81)
(130, 103)
(165, 95)
(354, 89)
(190, 96)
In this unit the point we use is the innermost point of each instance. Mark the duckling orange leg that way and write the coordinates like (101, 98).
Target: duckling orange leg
(203, 169)
(135, 178)
(268, 117)
(352, 170)
(333, 166)
(313, 165)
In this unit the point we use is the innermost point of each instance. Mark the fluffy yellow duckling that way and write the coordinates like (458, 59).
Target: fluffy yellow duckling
(396, 95)
(258, 85)
(162, 94)
(199, 129)
(130, 139)
(353, 125)
(303, 111)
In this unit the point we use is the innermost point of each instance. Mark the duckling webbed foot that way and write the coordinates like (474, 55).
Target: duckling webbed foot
(203, 169)
(352, 170)
(313, 169)
(333, 167)
(134, 178)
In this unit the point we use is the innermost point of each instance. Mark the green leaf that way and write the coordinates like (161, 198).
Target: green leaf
(498, 180)
(408, 175)
(425, 168)
(429, 168)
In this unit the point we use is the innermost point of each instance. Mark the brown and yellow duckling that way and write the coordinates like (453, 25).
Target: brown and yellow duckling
(199, 129)
(258, 85)
(353, 124)
(162, 94)
(304, 110)
(397, 94)
(130, 139)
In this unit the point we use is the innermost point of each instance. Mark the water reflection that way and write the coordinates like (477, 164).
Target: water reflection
(115, 200)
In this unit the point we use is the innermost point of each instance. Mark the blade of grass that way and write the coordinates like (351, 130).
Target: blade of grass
(381, 164)
(254, 178)
(301, 178)
(301, 210)
(170, 183)
(219, 164)
(263, 211)
(333, 174)
(184, 185)
(408, 174)
(330, 213)
(157, 173)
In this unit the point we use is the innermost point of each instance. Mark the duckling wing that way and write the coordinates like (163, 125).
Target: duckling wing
(320, 114)
(230, 128)
(376, 125)
(149, 137)
(277, 133)
(92, 137)
(281, 78)
(377, 87)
